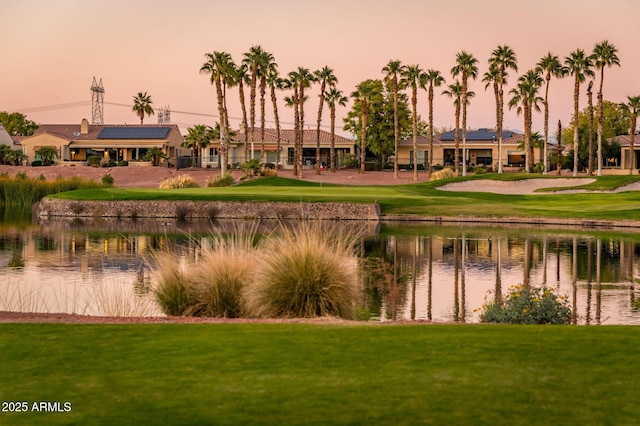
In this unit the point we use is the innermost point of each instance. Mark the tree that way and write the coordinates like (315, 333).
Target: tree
(632, 109)
(198, 137)
(413, 77)
(334, 98)
(298, 81)
(435, 79)
(604, 55)
(254, 60)
(220, 66)
(240, 78)
(363, 93)
(525, 98)
(142, 105)
(590, 112)
(16, 124)
(154, 154)
(465, 67)
(324, 76)
(579, 66)
(47, 154)
(502, 58)
(275, 82)
(380, 125)
(267, 64)
(549, 65)
(392, 70)
(455, 92)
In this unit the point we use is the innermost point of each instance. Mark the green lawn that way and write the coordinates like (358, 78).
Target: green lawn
(233, 374)
(418, 199)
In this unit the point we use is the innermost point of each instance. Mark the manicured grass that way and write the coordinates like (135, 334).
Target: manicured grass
(232, 374)
(419, 199)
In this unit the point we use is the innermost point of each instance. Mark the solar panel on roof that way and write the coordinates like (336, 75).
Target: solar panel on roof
(134, 133)
(476, 135)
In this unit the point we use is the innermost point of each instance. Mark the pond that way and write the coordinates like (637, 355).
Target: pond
(411, 272)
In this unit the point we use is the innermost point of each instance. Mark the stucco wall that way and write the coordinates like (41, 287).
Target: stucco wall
(207, 209)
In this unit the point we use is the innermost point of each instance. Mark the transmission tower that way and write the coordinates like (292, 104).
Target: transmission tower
(97, 102)
(164, 115)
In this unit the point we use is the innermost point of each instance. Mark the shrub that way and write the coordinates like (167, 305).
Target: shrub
(36, 163)
(479, 170)
(226, 180)
(109, 163)
(538, 168)
(350, 161)
(94, 160)
(251, 167)
(107, 180)
(305, 271)
(123, 163)
(528, 305)
(179, 181)
(445, 173)
(266, 172)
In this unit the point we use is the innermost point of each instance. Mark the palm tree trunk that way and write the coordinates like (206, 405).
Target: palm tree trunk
(396, 130)
(527, 137)
(590, 110)
(223, 141)
(322, 87)
(363, 135)
(559, 164)
(243, 106)
(252, 105)
(263, 90)
(600, 120)
(333, 139)
(414, 103)
(301, 130)
(430, 129)
(545, 160)
(456, 156)
(632, 154)
(576, 96)
(276, 118)
(500, 120)
(464, 125)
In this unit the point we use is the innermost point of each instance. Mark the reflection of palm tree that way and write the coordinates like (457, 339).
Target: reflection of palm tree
(430, 282)
(498, 289)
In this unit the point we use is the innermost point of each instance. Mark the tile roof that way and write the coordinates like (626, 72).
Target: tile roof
(288, 136)
(474, 137)
(71, 132)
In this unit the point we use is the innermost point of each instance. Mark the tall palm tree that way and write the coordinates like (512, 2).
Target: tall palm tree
(590, 132)
(299, 80)
(324, 76)
(218, 65)
(579, 66)
(275, 82)
(549, 65)
(142, 105)
(241, 77)
(455, 92)
(392, 70)
(267, 64)
(604, 54)
(414, 77)
(490, 78)
(632, 109)
(465, 67)
(333, 98)
(525, 98)
(503, 58)
(253, 60)
(362, 95)
(435, 79)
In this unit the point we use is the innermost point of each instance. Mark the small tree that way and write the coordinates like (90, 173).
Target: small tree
(47, 155)
(154, 155)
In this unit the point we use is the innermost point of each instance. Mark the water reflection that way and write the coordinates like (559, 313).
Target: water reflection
(434, 273)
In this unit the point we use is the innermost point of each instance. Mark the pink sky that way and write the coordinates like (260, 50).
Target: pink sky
(50, 50)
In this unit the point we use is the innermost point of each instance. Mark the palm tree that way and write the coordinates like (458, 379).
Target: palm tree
(632, 109)
(362, 95)
(551, 66)
(253, 60)
(525, 98)
(414, 77)
(435, 79)
(47, 154)
(154, 154)
(490, 78)
(219, 66)
(465, 67)
(455, 92)
(267, 64)
(392, 70)
(502, 58)
(142, 105)
(299, 80)
(578, 65)
(241, 77)
(324, 76)
(275, 82)
(604, 54)
(333, 98)
(198, 137)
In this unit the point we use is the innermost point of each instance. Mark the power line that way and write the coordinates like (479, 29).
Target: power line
(52, 107)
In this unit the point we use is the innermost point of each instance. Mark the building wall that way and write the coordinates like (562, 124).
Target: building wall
(31, 145)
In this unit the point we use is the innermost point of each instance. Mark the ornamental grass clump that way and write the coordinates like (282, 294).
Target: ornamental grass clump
(528, 305)
(445, 173)
(306, 271)
(174, 287)
(221, 277)
(179, 181)
(224, 180)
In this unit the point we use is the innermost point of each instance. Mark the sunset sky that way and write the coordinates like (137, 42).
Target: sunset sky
(51, 50)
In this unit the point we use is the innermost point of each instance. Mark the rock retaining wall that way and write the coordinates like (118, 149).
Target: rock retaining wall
(49, 207)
